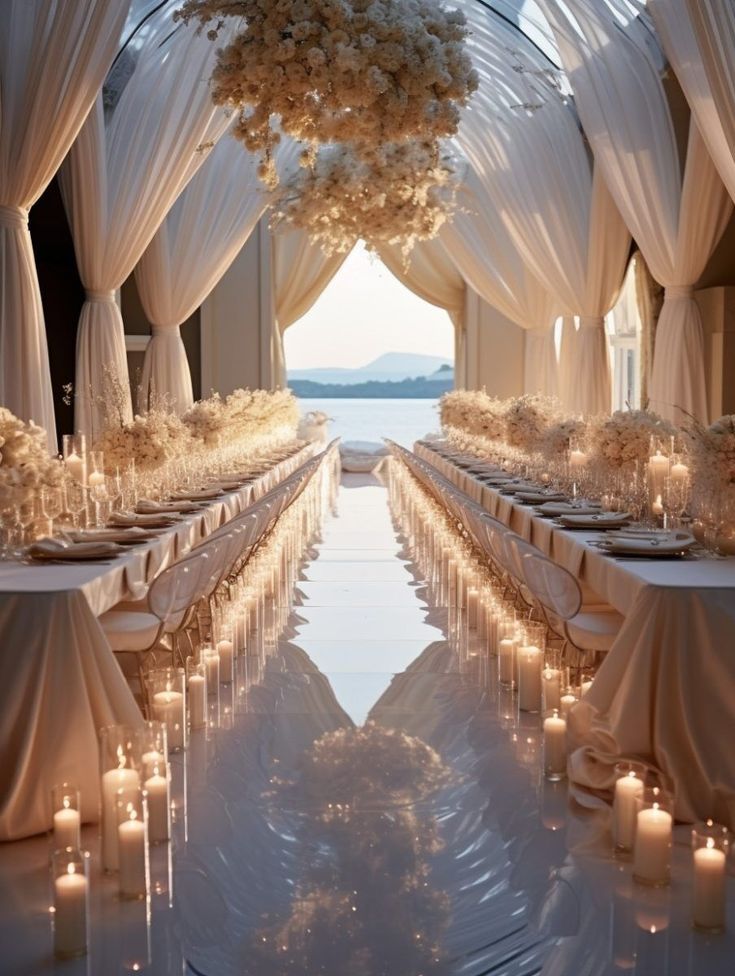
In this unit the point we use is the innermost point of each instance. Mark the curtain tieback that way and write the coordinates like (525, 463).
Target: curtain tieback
(165, 332)
(93, 295)
(13, 216)
(679, 291)
(591, 322)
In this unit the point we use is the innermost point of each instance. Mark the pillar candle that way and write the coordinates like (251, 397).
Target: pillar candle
(113, 781)
(530, 660)
(567, 701)
(226, 652)
(96, 478)
(158, 807)
(210, 659)
(577, 459)
(651, 847)
(679, 472)
(552, 689)
(70, 913)
(473, 598)
(131, 844)
(627, 789)
(658, 506)
(555, 746)
(67, 824)
(708, 902)
(197, 701)
(76, 466)
(168, 707)
(505, 655)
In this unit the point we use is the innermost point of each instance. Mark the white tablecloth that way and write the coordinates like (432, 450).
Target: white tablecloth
(59, 680)
(666, 690)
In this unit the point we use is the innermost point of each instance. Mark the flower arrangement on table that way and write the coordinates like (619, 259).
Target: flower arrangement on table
(526, 420)
(149, 440)
(25, 465)
(712, 450)
(621, 440)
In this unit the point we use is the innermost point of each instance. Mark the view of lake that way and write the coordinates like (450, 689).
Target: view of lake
(370, 420)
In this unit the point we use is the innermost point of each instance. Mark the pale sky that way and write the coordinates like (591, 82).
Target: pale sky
(363, 313)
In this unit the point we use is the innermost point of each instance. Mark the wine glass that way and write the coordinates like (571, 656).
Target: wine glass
(51, 504)
(25, 516)
(76, 502)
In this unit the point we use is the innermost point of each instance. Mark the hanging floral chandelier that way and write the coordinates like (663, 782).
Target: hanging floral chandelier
(397, 193)
(357, 72)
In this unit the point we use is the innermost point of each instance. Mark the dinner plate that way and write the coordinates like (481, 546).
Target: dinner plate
(51, 550)
(539, 498)
(553, 509)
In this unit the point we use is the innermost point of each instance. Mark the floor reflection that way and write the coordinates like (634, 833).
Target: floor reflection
(367, 802)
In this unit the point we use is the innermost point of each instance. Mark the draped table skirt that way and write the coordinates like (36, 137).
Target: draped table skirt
(665, 692)
(59, 680)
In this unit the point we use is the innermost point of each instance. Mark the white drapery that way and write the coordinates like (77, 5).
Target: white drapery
(483, 252)
(676, 217)
(53, 59)
(699, 39)
(555, 205)
(191, 250)
(301, 272)
(119, 180)
(432, 275)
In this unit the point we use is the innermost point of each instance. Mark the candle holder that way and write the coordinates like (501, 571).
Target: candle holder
(630, 781)
(156, 780)
(506, 650)
(120, 765)
(711, 843)
(530, 660)
(153, 745)
(132, 838)
(652, 846)
(70, 884)
(167, 703)
(74, 447)
(226, 651)
(196, 673)
(209, 657)
(551, 684)
(65, 804)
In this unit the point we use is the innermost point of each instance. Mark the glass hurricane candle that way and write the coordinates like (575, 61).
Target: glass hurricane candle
(69, 869)
(197, 688)
(710, 848)
(120, 764)
(67, 816)
(167, 697)
(652, 845)
(630, 778)
(555, 747)
(132, 837)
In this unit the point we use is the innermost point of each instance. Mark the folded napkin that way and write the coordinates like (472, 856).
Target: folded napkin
(200, 493)
(599, 520)
(50, 549)
(147, 507)
(125, 536)
(152, 521)
(567, 508)
(678, 542)
(540, 497)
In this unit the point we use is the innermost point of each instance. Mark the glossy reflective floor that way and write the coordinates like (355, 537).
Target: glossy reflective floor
(372, 807)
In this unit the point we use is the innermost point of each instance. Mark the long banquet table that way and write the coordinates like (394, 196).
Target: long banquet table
(665, 692)
(59, 680)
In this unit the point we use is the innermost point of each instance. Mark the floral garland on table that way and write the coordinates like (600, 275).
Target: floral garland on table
(25, 465)
(397, 193)
(558, 437)
(363, 72)
(625, 437)
(250, 417)
(254, 415)
(473, 412)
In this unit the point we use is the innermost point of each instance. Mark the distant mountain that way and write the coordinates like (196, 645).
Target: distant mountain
(390, 367)
(429, 388)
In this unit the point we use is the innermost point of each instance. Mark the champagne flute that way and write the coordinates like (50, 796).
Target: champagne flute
(51, 504)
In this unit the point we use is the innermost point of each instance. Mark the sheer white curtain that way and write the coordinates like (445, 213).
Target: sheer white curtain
(301, 272)
(121, 177)
(432, 275)
(53, 59)
(676, 214)
(483, 252)
(195, 245)
(698, 37)
(526, 146)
